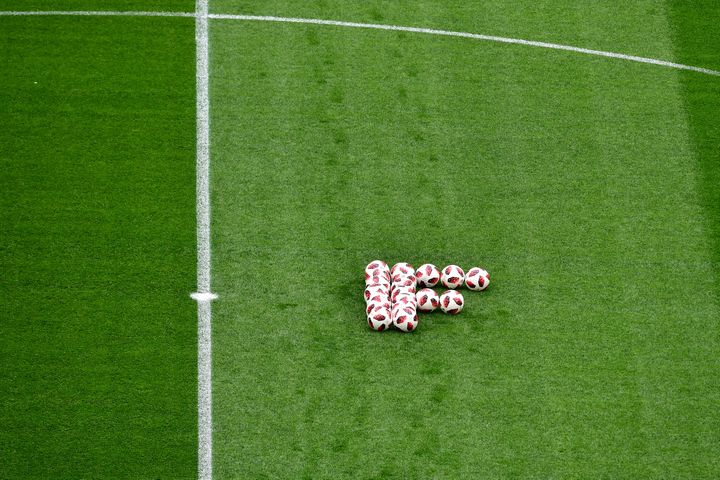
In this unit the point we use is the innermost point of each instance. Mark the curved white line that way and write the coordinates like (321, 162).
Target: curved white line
(475, 36)
(399, 28)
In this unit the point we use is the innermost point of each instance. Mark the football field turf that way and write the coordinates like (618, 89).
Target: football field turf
(587, 186)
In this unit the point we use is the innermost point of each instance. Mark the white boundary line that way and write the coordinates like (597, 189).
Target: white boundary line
(204, 295)
(475, 36)
(94, 13)
(398, 28)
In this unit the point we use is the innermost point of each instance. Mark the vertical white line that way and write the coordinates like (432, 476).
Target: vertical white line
(204, 391)
(203, 147)
(204, 295)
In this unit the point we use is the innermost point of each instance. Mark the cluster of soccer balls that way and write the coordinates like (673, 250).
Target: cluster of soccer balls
(393, 299)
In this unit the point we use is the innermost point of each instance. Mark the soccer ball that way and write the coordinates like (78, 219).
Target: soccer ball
(404, 280)
(407, 285)
(378, 297)
(372, 290)
(399, 307)
(402, 268)
(405, 321)
(379, 319)
(377, 280)
(377, 304)
(405, 299)
(427, 275)
(376, 266)
(397, 291)
(452, 276)
(427, 300)
(377, 273)
(451, 302)
(477, 279)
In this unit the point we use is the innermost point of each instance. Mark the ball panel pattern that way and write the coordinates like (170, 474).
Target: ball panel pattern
(452, 276)
(427, 275)
(402, 268)
(427, 300)
(451, 302)
(477, 279)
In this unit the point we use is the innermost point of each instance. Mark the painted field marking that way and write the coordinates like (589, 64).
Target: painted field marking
(94, 13)
(204, 295)
(475, 36)
(374, 26)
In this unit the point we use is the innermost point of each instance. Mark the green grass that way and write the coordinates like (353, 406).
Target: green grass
(638, 27)
(698, 42)
(572, 179)
(107, 5)
(586, 186)
(98, 335)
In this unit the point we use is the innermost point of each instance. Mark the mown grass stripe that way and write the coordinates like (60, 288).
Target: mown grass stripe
(398, 28)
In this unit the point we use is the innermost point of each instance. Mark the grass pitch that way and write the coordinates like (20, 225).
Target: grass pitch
(586, 186)
(98, 335)
(574, 180)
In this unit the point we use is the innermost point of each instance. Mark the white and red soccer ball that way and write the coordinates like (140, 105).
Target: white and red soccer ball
(377, 304)
(405, 319)
(402, 268)
(477, 279)
(379, 289)
(452, 277)
(404, 286)
(377, 273)
(451, 302)
(427, 300)
(405, 299)
(404, 279)
(394, 292)
(378, 280)
(403, 307)
(379, 319)
(376, 267)
(427, 275)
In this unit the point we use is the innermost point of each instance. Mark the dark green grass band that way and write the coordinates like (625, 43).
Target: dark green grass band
(97, 250)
